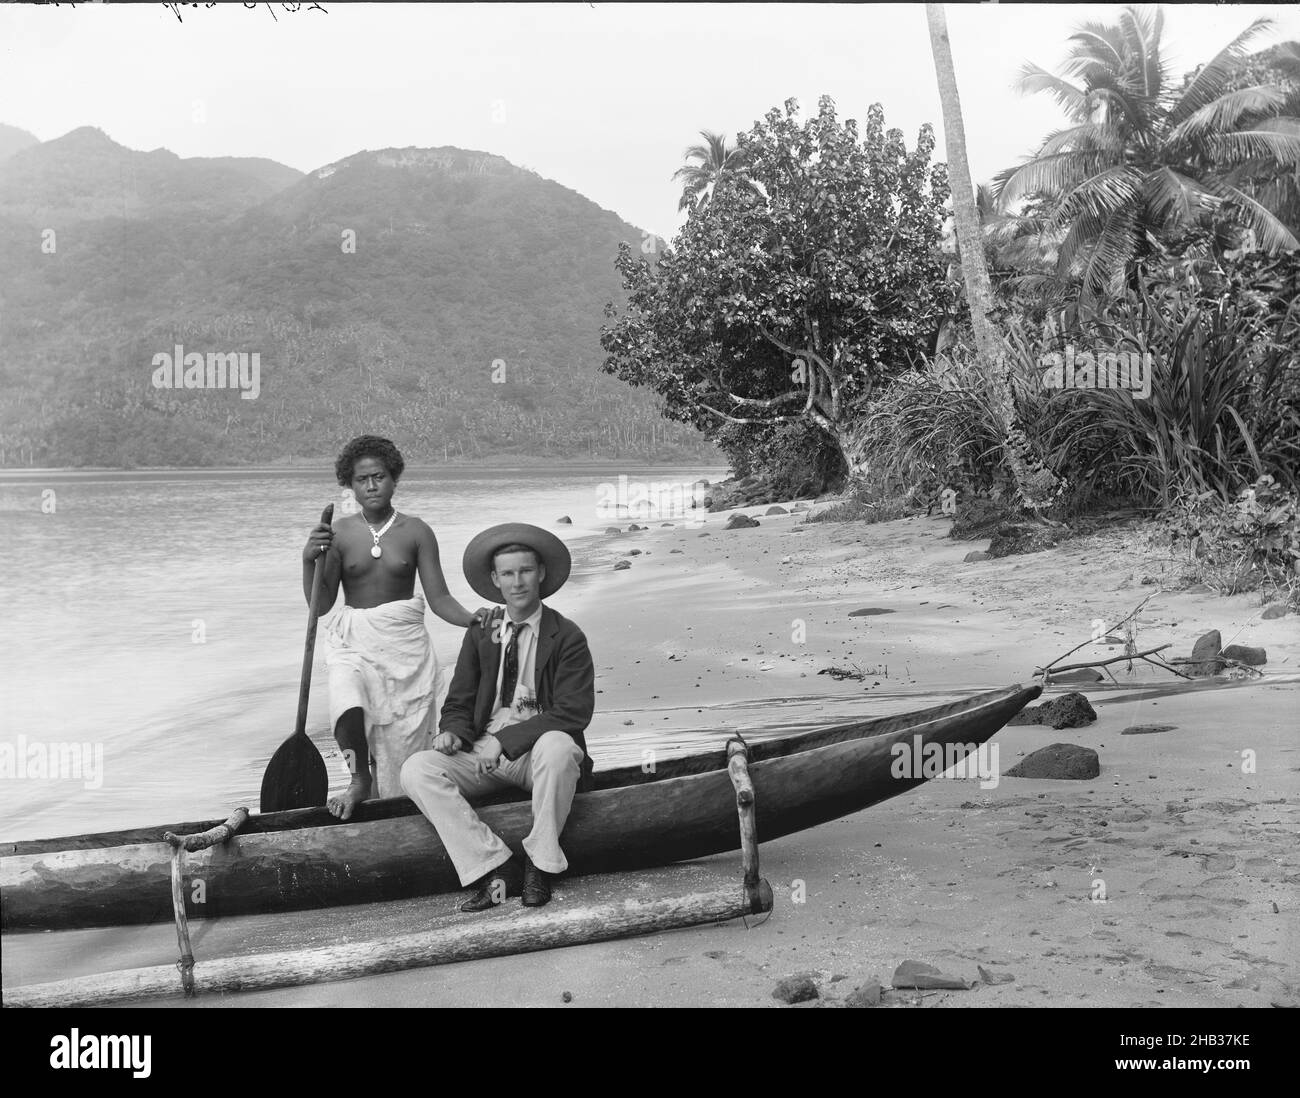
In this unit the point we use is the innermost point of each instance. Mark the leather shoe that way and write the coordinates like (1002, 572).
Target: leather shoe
(495, 887)
(537, 885)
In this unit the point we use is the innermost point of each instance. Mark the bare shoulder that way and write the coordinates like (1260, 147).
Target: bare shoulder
(420, 529)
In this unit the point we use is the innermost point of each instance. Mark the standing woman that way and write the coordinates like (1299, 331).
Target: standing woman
(383, 674)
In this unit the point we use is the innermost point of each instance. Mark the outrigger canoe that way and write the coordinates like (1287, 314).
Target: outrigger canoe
(634, 817)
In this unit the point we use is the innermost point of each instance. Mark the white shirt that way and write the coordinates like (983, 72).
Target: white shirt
(522, 706)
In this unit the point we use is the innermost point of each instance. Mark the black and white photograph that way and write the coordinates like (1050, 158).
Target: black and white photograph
(584, 505)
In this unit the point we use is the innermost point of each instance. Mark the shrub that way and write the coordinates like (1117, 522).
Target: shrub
(1201, 426)
(1249, 542)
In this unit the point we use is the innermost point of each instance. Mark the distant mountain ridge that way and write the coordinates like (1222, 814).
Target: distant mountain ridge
(86, 175)
(13, 140)
(443, 296)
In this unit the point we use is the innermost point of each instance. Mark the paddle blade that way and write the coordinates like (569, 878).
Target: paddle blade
(295, 777)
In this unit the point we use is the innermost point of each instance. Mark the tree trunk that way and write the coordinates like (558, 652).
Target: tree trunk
(1036, 488)
(852, 444)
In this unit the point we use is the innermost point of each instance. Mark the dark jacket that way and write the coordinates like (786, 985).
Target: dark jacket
(565, 687)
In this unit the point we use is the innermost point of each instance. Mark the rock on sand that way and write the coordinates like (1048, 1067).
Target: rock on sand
(1063, 761)
(1070, 710)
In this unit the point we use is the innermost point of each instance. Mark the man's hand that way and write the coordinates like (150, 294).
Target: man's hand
(446, 742)
(487, 760)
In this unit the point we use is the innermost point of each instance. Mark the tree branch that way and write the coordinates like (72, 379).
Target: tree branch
(751, 419)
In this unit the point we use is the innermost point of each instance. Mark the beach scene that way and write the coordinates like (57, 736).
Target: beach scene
(873, 584)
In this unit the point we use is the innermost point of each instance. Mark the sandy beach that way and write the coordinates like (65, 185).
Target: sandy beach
(1169, 880)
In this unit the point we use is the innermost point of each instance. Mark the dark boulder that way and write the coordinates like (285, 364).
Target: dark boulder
(796, 989)
(1244, 653)
(1061, 761)
(1205, 656)
(1070, 710)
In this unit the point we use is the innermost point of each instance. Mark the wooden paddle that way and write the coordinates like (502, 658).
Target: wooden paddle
(296, 776)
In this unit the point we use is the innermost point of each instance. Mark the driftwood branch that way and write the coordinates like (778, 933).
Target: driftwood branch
(1054, 669)
(1132, 614)
(1164, 666)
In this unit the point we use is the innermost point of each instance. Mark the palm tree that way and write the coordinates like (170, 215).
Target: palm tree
(1278, 66)
(713, 162)
(1034, 482)
(1142, 161)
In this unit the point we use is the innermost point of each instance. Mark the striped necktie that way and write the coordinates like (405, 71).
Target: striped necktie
(510, 672)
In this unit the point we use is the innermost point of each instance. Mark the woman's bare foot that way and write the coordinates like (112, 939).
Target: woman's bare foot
(342, 804)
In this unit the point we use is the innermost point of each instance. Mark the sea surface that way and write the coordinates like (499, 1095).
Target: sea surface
(157, 617)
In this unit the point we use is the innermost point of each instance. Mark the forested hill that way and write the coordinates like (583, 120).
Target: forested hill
(12, 139)
(444, 297)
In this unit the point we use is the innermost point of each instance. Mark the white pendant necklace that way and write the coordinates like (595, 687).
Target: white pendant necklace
(375, 550)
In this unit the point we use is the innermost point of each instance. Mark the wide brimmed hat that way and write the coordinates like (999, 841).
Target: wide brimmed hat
(478, 557)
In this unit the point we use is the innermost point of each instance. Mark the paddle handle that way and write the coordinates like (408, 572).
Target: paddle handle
(309, 649)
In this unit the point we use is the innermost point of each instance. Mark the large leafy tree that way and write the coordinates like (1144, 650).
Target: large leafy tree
(1142, 161)
(707, 165)
(789, 301)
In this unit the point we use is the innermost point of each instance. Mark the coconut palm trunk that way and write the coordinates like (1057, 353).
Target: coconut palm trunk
(1035, 483)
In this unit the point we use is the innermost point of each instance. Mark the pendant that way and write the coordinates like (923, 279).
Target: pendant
(376, 552)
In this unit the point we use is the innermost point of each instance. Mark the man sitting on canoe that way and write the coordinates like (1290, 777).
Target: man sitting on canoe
(521, 697)
(383, 674)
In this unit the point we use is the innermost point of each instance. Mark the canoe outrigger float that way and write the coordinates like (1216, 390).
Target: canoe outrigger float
(683, 808)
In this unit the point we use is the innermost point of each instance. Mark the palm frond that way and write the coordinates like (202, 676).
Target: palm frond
(1277, 139)
(1227, 111)
(1173, 198)
(1271, 232)
(1033, 79)
(1087, 137)
(1052, 175)
(1098, 46)
(1115, 246)
(1099, 196)
(1208, 84)
(1076, 239)
(1142, 34)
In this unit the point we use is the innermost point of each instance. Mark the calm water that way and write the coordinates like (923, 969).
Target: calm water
(105, 599)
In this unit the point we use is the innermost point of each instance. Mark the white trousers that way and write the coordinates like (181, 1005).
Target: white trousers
(439, 783)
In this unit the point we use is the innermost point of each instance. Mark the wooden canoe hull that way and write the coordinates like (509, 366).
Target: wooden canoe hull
(688, 810)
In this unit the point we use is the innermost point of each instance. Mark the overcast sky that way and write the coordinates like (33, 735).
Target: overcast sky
(600, 97)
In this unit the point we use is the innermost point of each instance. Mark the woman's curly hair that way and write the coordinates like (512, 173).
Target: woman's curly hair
(368, 446)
